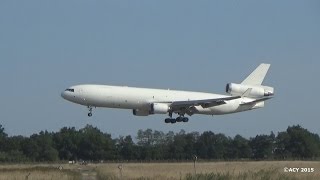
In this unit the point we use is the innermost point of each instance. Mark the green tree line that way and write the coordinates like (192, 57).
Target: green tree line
(90, 144)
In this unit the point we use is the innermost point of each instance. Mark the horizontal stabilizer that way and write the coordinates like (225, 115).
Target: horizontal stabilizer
(256, 101)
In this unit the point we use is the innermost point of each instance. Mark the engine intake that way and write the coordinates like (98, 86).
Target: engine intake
(256, 90)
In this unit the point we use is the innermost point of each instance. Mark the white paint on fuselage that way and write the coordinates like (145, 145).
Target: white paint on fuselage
(141, 98)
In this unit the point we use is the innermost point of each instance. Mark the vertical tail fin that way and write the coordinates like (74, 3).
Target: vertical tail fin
(257, 76)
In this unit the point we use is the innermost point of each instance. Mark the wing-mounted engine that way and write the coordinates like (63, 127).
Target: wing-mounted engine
(139, 112)
(159, 108)
(155, 108)
(257, 91)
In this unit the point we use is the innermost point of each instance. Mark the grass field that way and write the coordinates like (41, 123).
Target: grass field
(210, 170)
(175, 171)
(37, 172)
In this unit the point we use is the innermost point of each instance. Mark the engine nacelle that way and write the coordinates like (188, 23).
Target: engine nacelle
(138, 112)
(159, 108)
(256, 90)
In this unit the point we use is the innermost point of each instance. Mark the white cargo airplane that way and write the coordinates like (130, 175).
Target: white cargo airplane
(248, 95)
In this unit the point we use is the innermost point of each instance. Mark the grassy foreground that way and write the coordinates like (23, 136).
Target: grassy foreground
(212, 170)
(36, 172)
(252, 170)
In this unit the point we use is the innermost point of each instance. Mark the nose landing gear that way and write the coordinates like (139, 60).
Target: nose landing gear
(90, 111)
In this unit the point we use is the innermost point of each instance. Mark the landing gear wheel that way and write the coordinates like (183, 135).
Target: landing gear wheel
(173, 121)
(90, 111)
(185, 119)
(179, 119)
(167, 120)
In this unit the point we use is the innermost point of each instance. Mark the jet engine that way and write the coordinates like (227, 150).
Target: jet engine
(159, 108)
(256, 90)
(138, 112)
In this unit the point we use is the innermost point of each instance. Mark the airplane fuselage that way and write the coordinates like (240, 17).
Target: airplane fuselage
(124, 97)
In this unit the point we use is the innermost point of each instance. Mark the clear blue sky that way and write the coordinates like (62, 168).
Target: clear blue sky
(47, 46)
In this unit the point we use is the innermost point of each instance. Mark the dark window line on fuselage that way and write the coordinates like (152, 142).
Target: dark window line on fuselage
(71, 90)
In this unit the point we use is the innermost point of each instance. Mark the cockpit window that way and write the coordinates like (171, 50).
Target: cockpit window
(71, 90)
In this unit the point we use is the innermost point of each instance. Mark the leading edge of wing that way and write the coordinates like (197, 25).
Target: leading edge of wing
(205, 103)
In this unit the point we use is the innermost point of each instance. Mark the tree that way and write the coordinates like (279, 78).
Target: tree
(89, 143)
(145, 138)
(204, 145)
(45, 147)
(191, 140)
(3, 137)
(282, 144)
(220, 146)
(239, 148)
(2, 132)
(95, 145)
(127, 148)
(160, 147)
(262, 146)
(213, 146)
(176, 149)
(31, 148)
(67, 141)
(301, 143)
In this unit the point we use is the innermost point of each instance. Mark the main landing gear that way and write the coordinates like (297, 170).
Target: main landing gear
(171, 120)
(90, 111)
(178, 119)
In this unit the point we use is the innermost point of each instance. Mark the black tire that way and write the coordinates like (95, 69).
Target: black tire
(167, 120)
(185, 119)
(173, 121)
(179, 119)
(89, 114)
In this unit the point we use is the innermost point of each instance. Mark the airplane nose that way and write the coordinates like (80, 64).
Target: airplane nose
(63, 95)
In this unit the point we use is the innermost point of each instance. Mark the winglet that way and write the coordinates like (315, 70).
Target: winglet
(257, 76)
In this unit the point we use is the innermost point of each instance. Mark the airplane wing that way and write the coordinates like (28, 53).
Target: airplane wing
(205, 103)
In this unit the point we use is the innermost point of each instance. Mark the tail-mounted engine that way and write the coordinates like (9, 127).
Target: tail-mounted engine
(256, 90)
